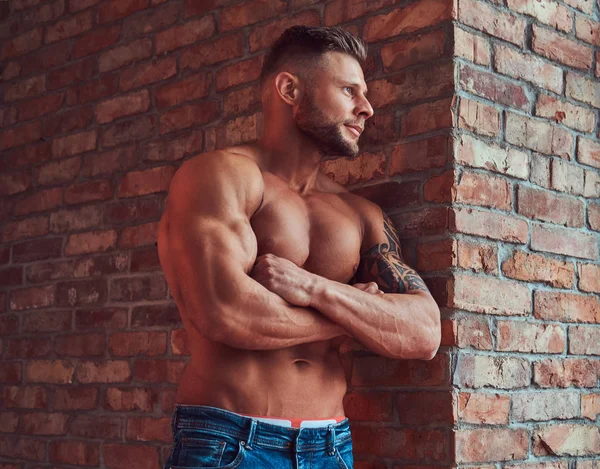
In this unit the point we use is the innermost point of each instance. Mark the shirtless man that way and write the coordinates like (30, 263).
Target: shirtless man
(273, 266)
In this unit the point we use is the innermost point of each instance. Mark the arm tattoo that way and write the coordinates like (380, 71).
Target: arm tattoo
(384, 265)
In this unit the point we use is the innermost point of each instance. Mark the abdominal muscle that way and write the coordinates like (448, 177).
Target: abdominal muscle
(305, 381)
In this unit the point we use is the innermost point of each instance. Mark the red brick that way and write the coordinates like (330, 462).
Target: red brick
(115, 108)
(24, 397)
(473, 332)
(529, 68)
(70, 74)
(78, 5)
(54, 321)
(438, 255)
(440, 188)
(75, 219)
(14, 183)
(478, 117)
(168, 400)
(589, 277)
(44, 424)
(26, 228)
(11, 276)
(37, 249)
(21, 44)
(411, 85)
(105, 85)
(112, 11)
(590, 407)
(202, 55)
(125, 55)
(493, 88)
(73, 26)
(587, 6)
(401, 20)
(503, 372)
(10, 372)
(109, 162)
(158, 371)
(9, 422)
(418, 49)
(485, 190)
(8, 116)
(238, 73)
(138, 343)
(147, 73)
(568, 372)
(538, 135)
(150, 20)
(190, 115)
(472, 47)
(427, 117)
(133, 210)
(488, 224)
(480, 445)
(180, 344)
(31, 449)
(46, 58)
(584, 340)
(93, 241)
(27, 348)
(548, 206)
(26, 88)
(366, 167)
(137, 128)
(587, 30)
(74, 452)
(58, 172)
(593, 213)
(483, 17)
(73, 119)
(103, 318)
(149, 429)
(567, 177)
(21, 134)
(592, 184)
(576, 117)
(112, 371)
(188, 33)
(561, 49)
(89, 191)
(241, 130)
(49, 371)
(117, 456)
(96, 40)
(567, 307)
(74, 144)
(532, 267)
(563, 241)
(155, 315)
(190, 88)
(134, 399)
(81, 292)
(583, 89)
(478, 408)
(566, 440)
(518, 336)
(419, 155)
(588, 152)
(95, 426)
(40, 106)
(144, 182)
(235, 17)
(369, 406)
(80, 345)
(175, 148)
(547, 12)
(375, 371)
(75, 398)
(33, 297)
(431, 220)
(424, 408)
(261, 37)
(39, 201)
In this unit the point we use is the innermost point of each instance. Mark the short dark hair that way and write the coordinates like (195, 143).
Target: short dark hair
(300, 43)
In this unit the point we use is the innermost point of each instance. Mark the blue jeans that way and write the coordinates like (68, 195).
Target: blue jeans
(209, 437)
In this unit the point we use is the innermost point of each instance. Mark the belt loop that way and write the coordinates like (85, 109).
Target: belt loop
(331, 433)
(251, 434)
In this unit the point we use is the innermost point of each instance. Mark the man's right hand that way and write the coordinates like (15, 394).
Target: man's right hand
(370, 287)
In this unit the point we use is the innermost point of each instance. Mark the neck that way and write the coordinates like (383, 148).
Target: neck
(290, 155)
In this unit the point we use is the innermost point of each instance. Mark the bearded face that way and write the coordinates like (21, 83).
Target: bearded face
(327, 133)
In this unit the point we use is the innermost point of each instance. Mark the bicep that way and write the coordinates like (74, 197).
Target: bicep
(382, 262)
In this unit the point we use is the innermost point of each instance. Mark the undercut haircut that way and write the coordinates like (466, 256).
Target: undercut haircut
(302, 46)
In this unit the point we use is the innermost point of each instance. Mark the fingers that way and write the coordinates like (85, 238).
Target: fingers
(370, 287)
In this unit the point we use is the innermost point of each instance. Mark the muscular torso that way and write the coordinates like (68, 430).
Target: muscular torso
(319, 231)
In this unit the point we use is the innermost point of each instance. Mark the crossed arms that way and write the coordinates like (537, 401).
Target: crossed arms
(230, 296)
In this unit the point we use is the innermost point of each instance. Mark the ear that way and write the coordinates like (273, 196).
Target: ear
(288, 87)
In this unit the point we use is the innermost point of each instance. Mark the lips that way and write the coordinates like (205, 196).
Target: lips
(356, 129)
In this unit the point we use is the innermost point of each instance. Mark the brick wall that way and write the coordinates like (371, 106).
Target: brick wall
(484, 150)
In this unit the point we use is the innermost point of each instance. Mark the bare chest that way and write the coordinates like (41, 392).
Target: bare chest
(319, 232)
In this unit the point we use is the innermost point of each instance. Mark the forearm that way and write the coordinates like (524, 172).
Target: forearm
(394, 325)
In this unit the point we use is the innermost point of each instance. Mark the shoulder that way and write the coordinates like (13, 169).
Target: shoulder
(225, 174)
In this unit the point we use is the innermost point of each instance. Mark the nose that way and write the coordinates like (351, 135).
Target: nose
(364, 108)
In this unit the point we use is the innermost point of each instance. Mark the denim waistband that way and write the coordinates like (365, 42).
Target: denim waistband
(255, 433)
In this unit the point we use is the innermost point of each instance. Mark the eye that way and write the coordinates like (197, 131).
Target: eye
(349, 90)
